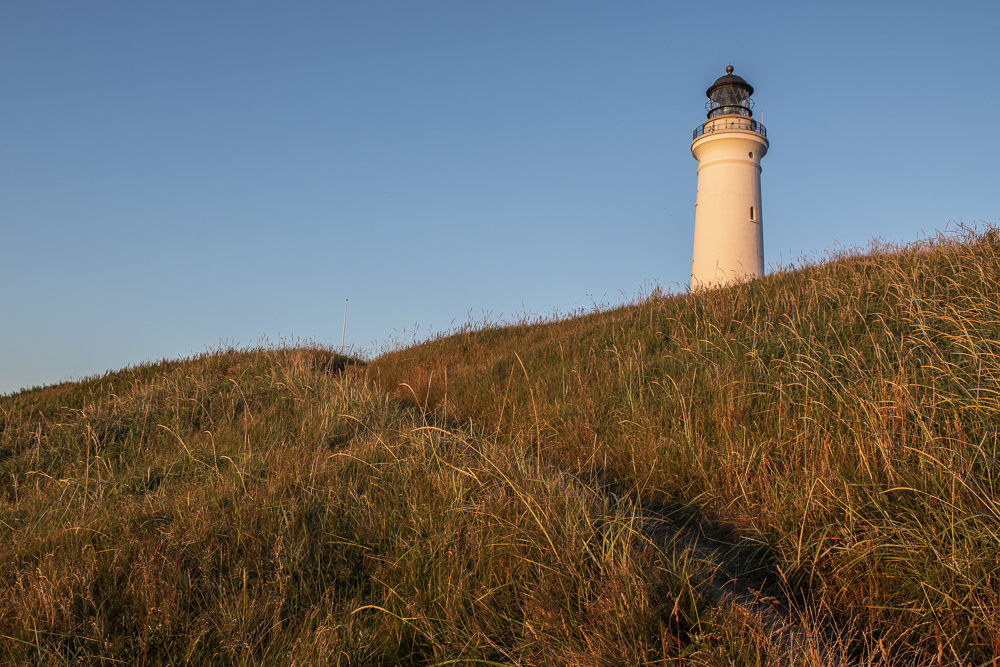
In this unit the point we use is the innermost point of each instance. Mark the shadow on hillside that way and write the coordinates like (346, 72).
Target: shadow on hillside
(332, 363)
(741, 574)
(745, 570)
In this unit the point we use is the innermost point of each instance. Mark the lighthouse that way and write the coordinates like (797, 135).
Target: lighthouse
(728, 220)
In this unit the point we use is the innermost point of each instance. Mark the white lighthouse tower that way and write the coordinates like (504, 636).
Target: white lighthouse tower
(728, 221)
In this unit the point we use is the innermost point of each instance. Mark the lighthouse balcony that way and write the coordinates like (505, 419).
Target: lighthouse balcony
(730, 124)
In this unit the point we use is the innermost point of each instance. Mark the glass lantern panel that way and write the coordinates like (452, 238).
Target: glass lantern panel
(729, 96)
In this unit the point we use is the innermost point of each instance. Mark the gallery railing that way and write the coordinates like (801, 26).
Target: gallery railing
(726, 124)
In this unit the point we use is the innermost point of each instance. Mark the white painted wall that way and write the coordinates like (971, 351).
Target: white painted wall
(728, 245)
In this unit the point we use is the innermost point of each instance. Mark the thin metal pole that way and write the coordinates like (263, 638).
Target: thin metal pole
(344, 334)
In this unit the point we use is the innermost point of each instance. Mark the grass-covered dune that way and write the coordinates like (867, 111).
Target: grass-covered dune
(797, 470)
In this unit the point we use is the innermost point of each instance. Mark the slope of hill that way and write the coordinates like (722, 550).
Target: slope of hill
(800, 470)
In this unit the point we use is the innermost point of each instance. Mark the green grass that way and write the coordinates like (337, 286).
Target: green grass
(797, 470)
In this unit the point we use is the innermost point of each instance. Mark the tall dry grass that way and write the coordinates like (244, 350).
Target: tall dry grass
(843, 416)
(263, 507)
(798, 470)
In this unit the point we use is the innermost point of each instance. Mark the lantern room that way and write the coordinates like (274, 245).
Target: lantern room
(729, 95)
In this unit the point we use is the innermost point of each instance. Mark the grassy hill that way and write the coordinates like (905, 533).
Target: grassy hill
(798, 470)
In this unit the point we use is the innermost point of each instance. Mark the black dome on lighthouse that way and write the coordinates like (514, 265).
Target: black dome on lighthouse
(730, 94)
(730, 79)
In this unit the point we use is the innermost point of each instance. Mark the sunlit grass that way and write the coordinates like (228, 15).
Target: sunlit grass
(843, 414)
(797, 470)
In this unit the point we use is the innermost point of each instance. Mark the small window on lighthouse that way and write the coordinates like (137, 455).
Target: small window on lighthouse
(752, 215)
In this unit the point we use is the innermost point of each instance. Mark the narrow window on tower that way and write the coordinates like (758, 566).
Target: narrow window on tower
(752, 215)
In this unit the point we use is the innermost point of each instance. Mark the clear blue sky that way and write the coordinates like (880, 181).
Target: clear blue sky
(176, 174)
